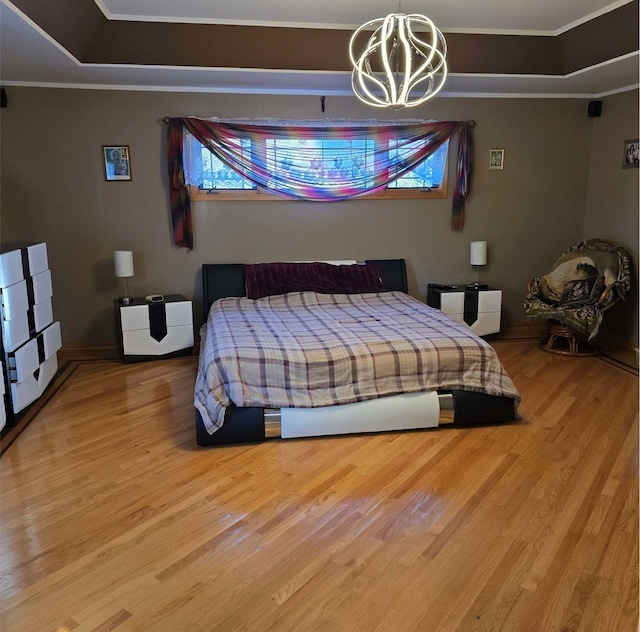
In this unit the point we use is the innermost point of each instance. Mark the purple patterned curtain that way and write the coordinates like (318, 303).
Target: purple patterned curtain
(356, 159)
(178, 188)
(464, 165)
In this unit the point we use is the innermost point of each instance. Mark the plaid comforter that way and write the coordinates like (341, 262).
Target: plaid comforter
(306, 349)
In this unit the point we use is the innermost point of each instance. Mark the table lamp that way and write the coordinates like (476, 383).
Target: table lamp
(478, 258)
(123, 264)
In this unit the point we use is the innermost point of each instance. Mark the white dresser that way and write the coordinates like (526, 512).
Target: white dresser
(30, 336)
(479, 309)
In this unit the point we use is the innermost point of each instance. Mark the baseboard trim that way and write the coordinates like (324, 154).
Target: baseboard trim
(75, 352)
(523, 331)
(621, 350)
(616, 348)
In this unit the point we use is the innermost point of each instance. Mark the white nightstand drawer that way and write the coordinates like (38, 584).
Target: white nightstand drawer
(15, 300)
(489, 301)
(15, 332)
(26, 392)
(137, 316)
(134, 317)
(487, 323)
(11, 270)
(179, 314)
(140, 343)
(452, 303)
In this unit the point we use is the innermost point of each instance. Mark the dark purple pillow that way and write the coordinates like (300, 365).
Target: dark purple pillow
(271, 279)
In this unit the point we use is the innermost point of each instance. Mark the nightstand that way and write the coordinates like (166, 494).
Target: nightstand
(476, 308)
(150, 331)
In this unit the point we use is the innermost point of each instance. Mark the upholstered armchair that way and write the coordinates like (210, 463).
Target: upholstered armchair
(586, 281)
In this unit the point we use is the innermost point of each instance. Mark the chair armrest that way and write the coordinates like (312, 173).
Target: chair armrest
(604, 295)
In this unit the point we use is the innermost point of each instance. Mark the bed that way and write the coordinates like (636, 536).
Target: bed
(281, 360)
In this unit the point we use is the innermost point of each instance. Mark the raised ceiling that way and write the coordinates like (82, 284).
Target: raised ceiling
(577, 48)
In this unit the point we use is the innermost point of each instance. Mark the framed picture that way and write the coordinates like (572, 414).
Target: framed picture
(631, 154)
(117, 162)
(496, 159)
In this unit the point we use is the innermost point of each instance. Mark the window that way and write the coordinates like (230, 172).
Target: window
(428, 174)
(217, 175)
(323, 162)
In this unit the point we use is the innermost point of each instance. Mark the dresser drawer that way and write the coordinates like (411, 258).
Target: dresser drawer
(15, 332)
(3, 412)
(15, 300)
(42, 286)
(26, 392)
(36, 259)
(42, 314)
(50, 341)
(24, 361)
(11, 268)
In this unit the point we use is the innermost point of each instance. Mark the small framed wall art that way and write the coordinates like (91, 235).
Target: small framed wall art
(496, 159)
(117, 162)
(631, 154)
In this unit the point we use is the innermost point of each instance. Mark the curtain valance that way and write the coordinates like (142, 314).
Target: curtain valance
(369, 169)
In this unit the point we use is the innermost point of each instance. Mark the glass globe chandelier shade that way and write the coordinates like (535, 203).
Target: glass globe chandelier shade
(403, 63)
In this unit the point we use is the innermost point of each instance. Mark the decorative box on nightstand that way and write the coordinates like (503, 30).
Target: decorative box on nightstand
(149, 331)
(478, 308)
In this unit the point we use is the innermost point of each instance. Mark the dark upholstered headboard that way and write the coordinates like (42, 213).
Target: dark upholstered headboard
(220, 280)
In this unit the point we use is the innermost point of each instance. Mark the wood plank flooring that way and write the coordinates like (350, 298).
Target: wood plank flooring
(111, 518)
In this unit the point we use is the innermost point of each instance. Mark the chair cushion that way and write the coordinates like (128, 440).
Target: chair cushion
(566, 269)
(578, 265)
(582, 291)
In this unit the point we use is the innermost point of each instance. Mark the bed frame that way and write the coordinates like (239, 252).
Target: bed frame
(251, 424)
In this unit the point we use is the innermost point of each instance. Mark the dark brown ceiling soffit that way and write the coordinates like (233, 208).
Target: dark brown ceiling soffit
(81, 28)
(609, 36)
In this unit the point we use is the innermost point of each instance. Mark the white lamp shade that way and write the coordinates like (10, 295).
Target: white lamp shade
(478, 253)
(123, 263)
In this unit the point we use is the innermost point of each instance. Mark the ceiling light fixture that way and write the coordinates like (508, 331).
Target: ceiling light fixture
(398, 61)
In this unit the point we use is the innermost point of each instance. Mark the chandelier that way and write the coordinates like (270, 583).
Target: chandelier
(403, 63)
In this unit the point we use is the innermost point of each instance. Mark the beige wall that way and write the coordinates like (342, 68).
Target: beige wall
(53, 189)
(612, 199)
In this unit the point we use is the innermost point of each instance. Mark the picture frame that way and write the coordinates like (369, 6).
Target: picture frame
(496, 159)
(116, 160)
(631, 154)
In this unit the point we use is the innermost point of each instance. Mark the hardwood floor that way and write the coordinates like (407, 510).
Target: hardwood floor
(113, 519)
